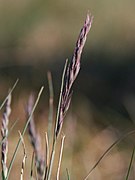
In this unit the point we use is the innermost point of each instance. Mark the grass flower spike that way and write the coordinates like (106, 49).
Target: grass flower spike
(35, 139)
(71, 73)
(4, 134)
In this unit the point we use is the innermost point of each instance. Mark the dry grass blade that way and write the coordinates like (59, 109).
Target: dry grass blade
(107, 151)
(60, 157)
(9, 94)
(24, 157)
(4, 134)
(23, 132)
(35, 139)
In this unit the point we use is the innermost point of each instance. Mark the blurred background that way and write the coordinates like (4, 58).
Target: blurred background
(37, 36)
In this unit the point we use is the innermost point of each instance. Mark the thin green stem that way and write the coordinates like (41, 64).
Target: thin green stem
(9, 94)
(68, 177)
(51, 161)
(60, 98)
(50, 117)
(60, 157)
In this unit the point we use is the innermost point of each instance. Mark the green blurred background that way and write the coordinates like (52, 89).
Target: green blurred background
(37, 36)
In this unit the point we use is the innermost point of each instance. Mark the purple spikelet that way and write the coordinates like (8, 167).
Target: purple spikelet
(4, 134)
(72, 71)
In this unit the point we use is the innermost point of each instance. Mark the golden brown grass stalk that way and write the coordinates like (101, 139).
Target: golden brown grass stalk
(4, 134)
(35, 139)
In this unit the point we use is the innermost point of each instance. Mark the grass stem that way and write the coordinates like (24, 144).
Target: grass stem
(56, 126)
(60, 157)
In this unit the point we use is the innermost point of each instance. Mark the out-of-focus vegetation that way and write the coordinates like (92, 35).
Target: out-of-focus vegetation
(35, 31)
(39, 35)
